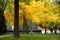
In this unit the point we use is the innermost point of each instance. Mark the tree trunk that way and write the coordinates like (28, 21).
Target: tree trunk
(3, 27)
(55, 31)
(51, 31)
(45, 29)
(16, 19)
(25, 27)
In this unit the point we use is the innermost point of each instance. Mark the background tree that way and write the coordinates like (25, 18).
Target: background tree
(51, 26)
(3, 27)
(37, 11)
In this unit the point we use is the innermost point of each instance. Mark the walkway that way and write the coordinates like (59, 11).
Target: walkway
(5, 36)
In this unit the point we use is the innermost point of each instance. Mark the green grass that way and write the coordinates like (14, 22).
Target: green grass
(34, 37)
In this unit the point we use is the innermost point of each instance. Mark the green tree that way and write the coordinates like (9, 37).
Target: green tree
(2, 18)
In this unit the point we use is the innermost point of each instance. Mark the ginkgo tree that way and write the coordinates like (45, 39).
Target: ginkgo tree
(38, 11)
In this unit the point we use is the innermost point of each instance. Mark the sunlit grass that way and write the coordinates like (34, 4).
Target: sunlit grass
(34, 37)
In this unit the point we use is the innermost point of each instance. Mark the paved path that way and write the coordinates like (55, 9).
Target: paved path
(5, 36)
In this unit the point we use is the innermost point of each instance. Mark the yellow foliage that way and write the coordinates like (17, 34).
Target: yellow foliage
(11, 24)
(11, 5)
(47, 1)
(35, 19)
(21, 21)
(37, 11)
(6, 14)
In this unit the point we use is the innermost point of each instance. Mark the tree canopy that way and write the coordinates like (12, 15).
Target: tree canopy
(39, 11)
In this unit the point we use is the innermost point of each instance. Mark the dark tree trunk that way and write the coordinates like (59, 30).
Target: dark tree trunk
(45, 29)
(55, 31)
(3, 27)
(25, 27)
(16, 19)
(51, 31)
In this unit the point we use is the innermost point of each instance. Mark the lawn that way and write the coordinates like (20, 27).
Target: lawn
(35, 37)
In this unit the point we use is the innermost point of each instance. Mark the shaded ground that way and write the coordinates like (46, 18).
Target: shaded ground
(34, 37)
